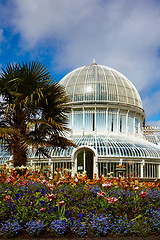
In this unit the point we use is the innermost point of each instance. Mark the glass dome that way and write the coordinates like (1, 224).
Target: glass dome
(100, 84)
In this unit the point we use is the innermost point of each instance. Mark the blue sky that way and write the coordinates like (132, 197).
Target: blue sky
(67, 34)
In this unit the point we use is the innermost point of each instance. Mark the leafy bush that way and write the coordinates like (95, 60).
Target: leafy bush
(10, 228)
(35, 227)
(58, 227)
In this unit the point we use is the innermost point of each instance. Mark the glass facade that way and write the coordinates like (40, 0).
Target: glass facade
(4, 155)
(102, 120)
(132, 168)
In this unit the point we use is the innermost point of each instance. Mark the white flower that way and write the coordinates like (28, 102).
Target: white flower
(136, 188)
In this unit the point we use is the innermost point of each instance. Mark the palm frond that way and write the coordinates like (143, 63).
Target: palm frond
(34, 108)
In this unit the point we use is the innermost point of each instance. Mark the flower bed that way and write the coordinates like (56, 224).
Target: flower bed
(33, 204)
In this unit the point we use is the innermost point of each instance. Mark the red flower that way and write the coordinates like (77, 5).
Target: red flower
(61, 203)
(59, 183)
(126, 186)
(50, 186)
(101, 194)
(143, 194)
(43, 181)
(42, 209)
(7, 198)
(107, 185)
(51, 197)
(111, 200)
(10, 179)
(26, 183)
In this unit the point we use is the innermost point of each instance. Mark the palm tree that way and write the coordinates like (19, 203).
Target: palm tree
(33, 110)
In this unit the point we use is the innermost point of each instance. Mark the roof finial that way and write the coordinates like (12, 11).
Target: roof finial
(94, 60)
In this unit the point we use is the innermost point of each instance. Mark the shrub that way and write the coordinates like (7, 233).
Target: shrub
(58, 227)
(35, 227)
(10, 228)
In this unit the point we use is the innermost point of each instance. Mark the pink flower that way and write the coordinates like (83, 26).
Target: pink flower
(50, 186)
(101, 194)
(26, 183)
(42, 209)
(10, 179)
(7, 198)
(126, 186)
(43, 181)
(143, 194)
(51, 197)
(61, 203)
(107, 185)
(111, 200)
(59, 183)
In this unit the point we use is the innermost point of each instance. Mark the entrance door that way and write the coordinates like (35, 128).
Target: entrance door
(85, 162)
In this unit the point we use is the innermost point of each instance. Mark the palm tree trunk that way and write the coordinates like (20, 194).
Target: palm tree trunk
(19, 155)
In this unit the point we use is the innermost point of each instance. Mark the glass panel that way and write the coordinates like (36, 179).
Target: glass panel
(136, 125)
(70, 120)
(78, 121)
(101, 121)
(89, 121)
(150, 170)
(109, 122)
(122, 123)
(141, 125)
(132, 169)
(112, 122)
(130, 124)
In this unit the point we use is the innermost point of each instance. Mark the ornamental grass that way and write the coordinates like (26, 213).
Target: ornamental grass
(33, 204)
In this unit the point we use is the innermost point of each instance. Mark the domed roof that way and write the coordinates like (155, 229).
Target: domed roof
(100, 84)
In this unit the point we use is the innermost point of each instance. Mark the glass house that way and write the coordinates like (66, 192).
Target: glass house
(106, 120)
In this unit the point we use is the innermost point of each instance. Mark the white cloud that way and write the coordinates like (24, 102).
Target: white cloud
(153, 123)
(42, 19)
(1, 35)
(121, 34)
